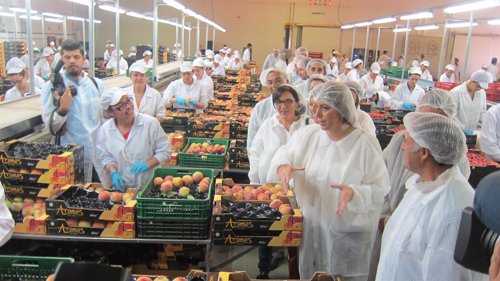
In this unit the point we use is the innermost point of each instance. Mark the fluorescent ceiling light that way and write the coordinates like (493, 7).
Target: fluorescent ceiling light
(53, 15)
(75, 18)
(32, 17)
(4, 14)
(421, 15)
(361, 24)
(81, 2)
(426, 27)
(459, 24)
(134, 14)
(384, 20)
(472, 6)
(53, 20)
(20, 10)
(347, 26)
(111, 9)
(494, 22)
(174, 4)
(401, 29)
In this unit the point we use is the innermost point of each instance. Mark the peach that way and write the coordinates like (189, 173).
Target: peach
(197, 176)
(262, 197)
(39, 212)
(249, 196)
(84, 223)
(261, 188)
(274, 197)
(72, 222)
(116, 197)
(24, 171)
(187, 179)
(36, 171)
(104, 195)
(226, 189)
(16, 206)
(98, 224)
(268, 193)
(127, 197)
(166, 186)
(40, 200)
(144, 278)
(275, 204)
(205, 179)
(13, 170)
(28, 210)
(203, 187)
(99, 189)
(50, 277)
(18, 199)
(238, 196)
(178, 182)
(180, 278)
(157, 180)
(285, 209)
(161, 278)
(29, 200)
(169, 178)
(184, 191)
(248, 189)
(110, 224)
(237, 188)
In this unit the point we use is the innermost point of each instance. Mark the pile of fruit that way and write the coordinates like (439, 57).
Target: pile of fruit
(23, 209)
(99, 198)
(159, 278)
(194, 186)
(264, 192)
(25, 170)
(87, 223)
(248, 210)
(35, 150)
(206, 148)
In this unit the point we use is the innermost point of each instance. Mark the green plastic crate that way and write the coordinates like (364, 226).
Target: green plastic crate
(175, 209)
(29, 267)
(172, 229)
(206, 160)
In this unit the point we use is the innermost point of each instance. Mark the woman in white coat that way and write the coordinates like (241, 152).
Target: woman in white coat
(276, 131)
(365, 121)
(340, 181)
(408, 94)
(129, 144)
(146, 100)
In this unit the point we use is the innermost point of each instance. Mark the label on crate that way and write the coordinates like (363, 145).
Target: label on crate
(285, 238)
(238, 164)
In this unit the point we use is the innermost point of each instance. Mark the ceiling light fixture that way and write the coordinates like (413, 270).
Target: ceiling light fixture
(460, 24)
(477, 5)
(53, 20)
(401, 29)
(427, 27)
(416, 16)
(53, 15)
(20, 10)
(494, 22)
(384, 20)
(347, 26)
(134, 14)
(111, 9)
(32, 17)
(361, 24)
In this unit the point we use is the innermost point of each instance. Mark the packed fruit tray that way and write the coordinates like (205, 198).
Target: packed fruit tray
(24, 176)
(222, 104)
(197, 153)
(239, 163)
(445, 85)
(212, 125)
(13, 190)
(85, 228)
(29, 267)
(177, 194)
(477, 159)
(208, 134)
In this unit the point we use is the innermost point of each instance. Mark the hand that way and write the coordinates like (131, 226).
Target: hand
(193, 102)
(346, 194)
(408, 106)
(494, 271)
(65, 102)
(285, 174)
(139, 167)
(117, 181)
(180, 101)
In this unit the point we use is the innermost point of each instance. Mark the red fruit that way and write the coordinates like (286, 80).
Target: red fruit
(98, 224)
(275, 204)
(249, 196)
(197, 176)
(104, 195)
(236, 188)
(166, 186)
(110, 224)
(72, 222)
(161, 278)
(158, 181)
(187, 179)
(144, 278)
(116, 197)
(36, 172)
(169, 178)
(285, 209)
(83, 223)
(238, 196)
(262, 197)
(203, 187)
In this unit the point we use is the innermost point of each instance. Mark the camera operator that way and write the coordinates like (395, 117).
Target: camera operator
(76, 116)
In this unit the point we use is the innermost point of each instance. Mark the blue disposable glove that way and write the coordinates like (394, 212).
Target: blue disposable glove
(180, 101)
(469, 132)
(193, 102)
(139, 167)
(45, 76)
(117, 181)
(408, 106)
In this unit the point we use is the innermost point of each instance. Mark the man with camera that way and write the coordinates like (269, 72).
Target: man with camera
(71, 104)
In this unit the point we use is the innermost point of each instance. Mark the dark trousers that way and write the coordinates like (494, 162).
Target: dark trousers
(266, 255)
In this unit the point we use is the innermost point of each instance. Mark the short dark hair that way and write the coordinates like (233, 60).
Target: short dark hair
(494, 60)
(288, 88)
(249, 45)
(71, 45)
(385, 52)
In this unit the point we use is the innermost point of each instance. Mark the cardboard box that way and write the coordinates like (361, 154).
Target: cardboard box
(117, 230)
(284, 239)
(48, 177)
(30, 192)
(208, 125)
(208, 134)
(36, 226)
(239, 163)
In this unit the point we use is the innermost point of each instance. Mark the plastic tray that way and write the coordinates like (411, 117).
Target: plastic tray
(29, 267)
(172, 229)
(206, 160)
(175, 209)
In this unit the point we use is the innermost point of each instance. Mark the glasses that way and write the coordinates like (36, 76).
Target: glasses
(286, 102)
(123, 106)
(275, 81)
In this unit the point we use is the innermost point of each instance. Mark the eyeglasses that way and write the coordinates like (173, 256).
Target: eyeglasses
(286, 102)
(123, 106)
(275, 81)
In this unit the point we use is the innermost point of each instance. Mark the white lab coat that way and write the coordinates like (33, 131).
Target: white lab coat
(38, 82)
(402, 94)
(353, 75)
(246, 55)
(219, 70)
(233, 65)
(490, 77)
(148, 64)
(469, 111)
(490, 133)
(208, 86)
(146, 139)
(262, 110)
(419, 239)
(368, 84)
(107, 56)
(14, 93)
(384, 99)
(342, 77)
(193, 91)
(151, 103)
(6, 221)
(426, 75)
(333, 71)
(272, 61)
(179, 55)
(113, 63)
(335, 243)
(366, 122)
(42, 68)
(302, 88)
(492, 69)
(271, 135)
(447, 79)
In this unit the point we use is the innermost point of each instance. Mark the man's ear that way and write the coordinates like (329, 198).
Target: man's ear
(424, 154)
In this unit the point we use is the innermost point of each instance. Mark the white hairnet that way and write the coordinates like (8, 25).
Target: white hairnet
(425, 63)
(440, 134)
(348, 65)
(320, 61)
(263, 75)
(301, 108)
(356, 87)
(302, 51)
(356, 62)
(450, 67)
(339, 97)
(438, 98)
(481, 77)
(375, 68)
(47, 51)
(15, 65)
(315, 77)
(415, 71)
(198, 62)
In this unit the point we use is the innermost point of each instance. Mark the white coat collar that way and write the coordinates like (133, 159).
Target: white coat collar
(345, 144)
(430, 187)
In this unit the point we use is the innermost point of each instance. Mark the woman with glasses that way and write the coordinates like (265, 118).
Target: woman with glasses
(17, 76)
(339, 180)
(146, 100)
(129, 144)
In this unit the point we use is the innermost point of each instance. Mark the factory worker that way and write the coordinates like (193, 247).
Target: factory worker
(264, 109)
(210, 55)
(220, 56)
(247, 54)
(355, 73)
(302, 71)
(291, 69)
(113, 63)
(490, 133)
(130, 144)
(146, 100)
(364, 120)
(372, 80)
(490, 76)
(146, 59)
(448, 76)
(408, 94)
(314, 66)
(133, 52)
(272, 60)
(110, 47)
(186, 92)
(228, 57)
(16, 73)
(340, 208)
(379, 99)
(401, 61)
(333, 67)
(313, 81)
(492, 68)
(6, 220)
(343, 60)
(16, 62)
(206, 82)
(419, 240)
(179, 55)
(218, 68)
(42, 67)
(435, 101)
(426, 74)
(343, 76)
(235, 63)
(384, 61)
(470, 100)
(209, 68)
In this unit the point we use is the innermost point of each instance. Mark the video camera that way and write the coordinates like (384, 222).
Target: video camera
(476, 240)
(58, 85)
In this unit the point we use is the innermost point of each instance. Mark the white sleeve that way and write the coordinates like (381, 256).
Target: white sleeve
(6, 221)
(103, 155)
(253, 124)
(396, 99)
(284, 156)
(489, 139)
(168, 94)
(160, 106)
(266, 63)
(163, 149)
(455, 96)
(254, 156)
(204, 96)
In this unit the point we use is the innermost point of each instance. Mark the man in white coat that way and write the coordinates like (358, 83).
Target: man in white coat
(273, 60)
(408, 94)
(470, 100)
(490, 133)
(419, 239)
(372, 81)
(379, 99)
(247, 54)
(448, 76)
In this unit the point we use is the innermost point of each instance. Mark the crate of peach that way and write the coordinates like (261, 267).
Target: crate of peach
(177, 194)
(205, 153)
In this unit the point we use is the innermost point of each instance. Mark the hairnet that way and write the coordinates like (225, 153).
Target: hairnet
(339, 97)
(198, 62)
(486, 201)
(481, 77)
(147, 53)
(263, 75)
(15, 65)
(353, 85)
(356, 62)
(440, 134)
(415, 71)
(450, 67)
(302, 51)
(438, 98)
(425, 63)
(375, 68)
(138, 66)
(320, 61)
(348, 65)
(315, 77)
(47, 51)
(111, 97)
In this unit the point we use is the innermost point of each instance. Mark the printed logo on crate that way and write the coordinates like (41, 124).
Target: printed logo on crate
(239, 163)
(277, 239)
(34, 176)
(84, 228)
